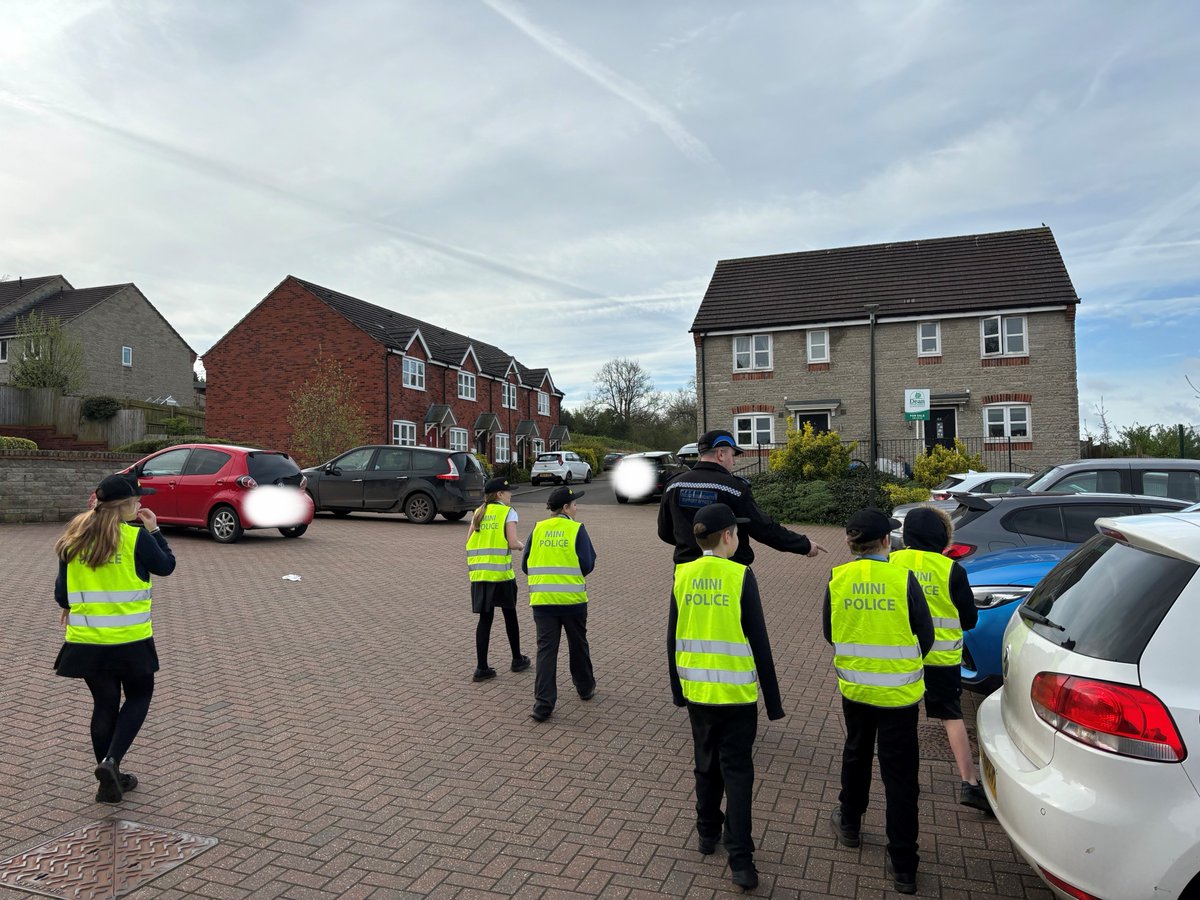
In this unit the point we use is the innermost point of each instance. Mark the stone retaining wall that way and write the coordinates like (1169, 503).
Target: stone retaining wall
(52, 485)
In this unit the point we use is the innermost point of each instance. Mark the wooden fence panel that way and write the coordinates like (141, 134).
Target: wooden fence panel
(127, 426)
(41, 406)
(66, 414)
(14, 405)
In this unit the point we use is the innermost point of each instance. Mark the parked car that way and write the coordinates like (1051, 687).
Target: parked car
(1089, 750)
(1178, 478)
(207, 486)
(610, 460)
(984, 523)
(663, 467)
(559, 467)
(978, 483)
(689, 454)
(417, 481)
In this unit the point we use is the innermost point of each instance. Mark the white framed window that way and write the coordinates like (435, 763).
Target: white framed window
(536, 446)
(4, 350)
(818, 346)
(543, 403)
(1003, 336)
(404, 433)
(751, 352)
(501, 448)
(414, 373)
(458, 439)
(466, 386)
(127, 356)
(929, 339)
(1007, 420)
(508, 395)
(756, 429)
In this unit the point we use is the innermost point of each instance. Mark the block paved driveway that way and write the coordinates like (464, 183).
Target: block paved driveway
(328, 733)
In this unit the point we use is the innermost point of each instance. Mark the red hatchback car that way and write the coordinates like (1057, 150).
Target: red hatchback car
(206, 486)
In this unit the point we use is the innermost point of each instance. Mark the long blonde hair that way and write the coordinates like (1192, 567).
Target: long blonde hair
(477, 518)
(93, 536)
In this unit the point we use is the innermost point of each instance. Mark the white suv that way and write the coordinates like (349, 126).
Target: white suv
(1091, 750)
(559, 467)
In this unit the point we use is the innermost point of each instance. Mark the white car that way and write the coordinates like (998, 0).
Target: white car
(1090, 752)
(977, 483)
(689, 454)
(559, 467)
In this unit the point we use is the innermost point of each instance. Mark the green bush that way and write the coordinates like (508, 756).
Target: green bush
(176, 425)
(932, 468)
(100, 408)
(786, 499)
(812, 454)
(855, 491)
(16, 443)
(154, 444)
(588, 454)
(904, 493)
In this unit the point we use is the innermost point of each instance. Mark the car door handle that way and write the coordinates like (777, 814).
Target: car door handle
(402, 478)
(352, 480)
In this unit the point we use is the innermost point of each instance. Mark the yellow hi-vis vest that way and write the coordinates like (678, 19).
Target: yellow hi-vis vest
(933, 572)
(555, 578)
(109, 604)
(876, 655)
(712, 656)
(488, 556)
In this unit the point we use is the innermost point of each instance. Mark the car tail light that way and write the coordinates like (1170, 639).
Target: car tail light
(303, 482)
(939, 495)
(1114, 534)
(958, 551)
(1117, 718)
(452, 473)
(1068, 889)
(247, 482)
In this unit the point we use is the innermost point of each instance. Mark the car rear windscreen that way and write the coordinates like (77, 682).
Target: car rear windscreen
(950, 482)
(272, 468)
(1108, 598)
(548, 457)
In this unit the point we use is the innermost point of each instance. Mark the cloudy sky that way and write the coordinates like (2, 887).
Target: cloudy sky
(559, 177)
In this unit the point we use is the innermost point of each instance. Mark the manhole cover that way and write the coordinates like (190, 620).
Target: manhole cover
(105, 859)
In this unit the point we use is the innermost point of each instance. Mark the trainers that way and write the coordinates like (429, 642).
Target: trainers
(849, 837)
(484, 674)
(110, 781)
(746, 879)
(905, 882)
(520, 663)
(973, 795)
(128, 782)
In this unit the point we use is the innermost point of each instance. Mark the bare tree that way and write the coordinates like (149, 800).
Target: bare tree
(624, 387)
(679, 408)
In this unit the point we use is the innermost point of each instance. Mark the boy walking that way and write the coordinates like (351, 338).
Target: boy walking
(876, 617)
(718, 655)
(927, 532)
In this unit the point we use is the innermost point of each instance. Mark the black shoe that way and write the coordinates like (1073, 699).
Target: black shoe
(520, 663)
(905, 882)
(706, 845)
(538, 716)
(973, 795)
(128, 782)
(588, 694)
(484, 674)
(746, 879)
(110, 781)
(847, 836)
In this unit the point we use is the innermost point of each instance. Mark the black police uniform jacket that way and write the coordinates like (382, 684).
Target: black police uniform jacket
(708, 483)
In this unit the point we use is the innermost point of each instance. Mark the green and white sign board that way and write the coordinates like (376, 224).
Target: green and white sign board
(916, 405)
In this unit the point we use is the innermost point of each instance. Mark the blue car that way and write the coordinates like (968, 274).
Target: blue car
(1000, 581)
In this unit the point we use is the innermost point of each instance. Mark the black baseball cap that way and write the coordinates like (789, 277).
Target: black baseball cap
(496, 485)
(870, 524)
(713, 518)
(710, 440)
(561, 496)
(121, 486)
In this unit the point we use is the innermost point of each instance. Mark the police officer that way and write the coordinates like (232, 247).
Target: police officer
(558, 558)
(712, 481)
(718, 654)
(876, 617)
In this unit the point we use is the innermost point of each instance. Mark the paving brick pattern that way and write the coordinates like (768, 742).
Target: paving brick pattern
(328, 733)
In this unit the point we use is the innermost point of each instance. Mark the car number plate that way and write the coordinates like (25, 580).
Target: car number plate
(989, 773)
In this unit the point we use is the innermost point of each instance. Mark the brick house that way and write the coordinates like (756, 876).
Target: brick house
(419, 384)
(130, 350)
(985, 323)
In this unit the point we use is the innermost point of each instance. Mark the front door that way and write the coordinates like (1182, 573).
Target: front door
(941, 428)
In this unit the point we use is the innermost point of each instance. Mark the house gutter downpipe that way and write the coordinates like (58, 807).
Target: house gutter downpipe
(873, 308)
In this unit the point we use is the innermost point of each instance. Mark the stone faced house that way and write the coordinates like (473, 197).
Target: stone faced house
(130, 350)
(985, 323)
(419, 384)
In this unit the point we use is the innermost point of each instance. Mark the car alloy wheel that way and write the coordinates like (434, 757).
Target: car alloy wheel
(420, 509)
(569, 477)
(224, 525)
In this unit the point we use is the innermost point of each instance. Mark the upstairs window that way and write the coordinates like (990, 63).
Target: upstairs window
(466, 386)
(414, 373)
(127, 356)
(543, 403)
(818, 346)
(508, 395)
(1004, 336)
(751, 352)
(929, 339)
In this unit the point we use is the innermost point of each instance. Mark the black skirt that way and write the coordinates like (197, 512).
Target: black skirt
(132, 660)
(487, 595)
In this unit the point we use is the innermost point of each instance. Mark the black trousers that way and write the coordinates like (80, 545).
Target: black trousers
(545, 680)
(899, 761)
(115, 726)
(724, 740)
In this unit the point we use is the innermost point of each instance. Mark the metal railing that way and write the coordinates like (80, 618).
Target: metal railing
(894, 457)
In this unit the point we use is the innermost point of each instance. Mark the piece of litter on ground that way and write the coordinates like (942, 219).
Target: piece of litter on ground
(291, 577)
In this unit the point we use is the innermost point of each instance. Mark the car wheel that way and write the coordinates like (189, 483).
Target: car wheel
(340, 513)
(453, 516)
(587, 479)
(294, 531)
(420, 509)
(569, 477)
(224, 525)
(621, 498)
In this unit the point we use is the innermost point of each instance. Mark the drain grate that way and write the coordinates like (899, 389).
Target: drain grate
(102, 860)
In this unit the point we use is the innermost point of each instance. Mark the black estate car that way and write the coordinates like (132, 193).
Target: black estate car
(665, 464)
(417, 481)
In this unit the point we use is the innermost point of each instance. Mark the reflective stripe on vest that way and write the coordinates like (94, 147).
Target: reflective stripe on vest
(109, 604)
(555, 578)
(933, 574)
(876, 655)
(712, 656)
(488, 556)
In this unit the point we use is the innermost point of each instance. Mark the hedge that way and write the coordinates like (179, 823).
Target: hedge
(830, 502)
(16, 443)
(154, 444)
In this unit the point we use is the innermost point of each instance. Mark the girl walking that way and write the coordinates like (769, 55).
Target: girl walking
(492, 540)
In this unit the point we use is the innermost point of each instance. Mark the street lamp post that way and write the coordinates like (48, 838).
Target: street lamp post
(871, 309)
